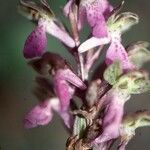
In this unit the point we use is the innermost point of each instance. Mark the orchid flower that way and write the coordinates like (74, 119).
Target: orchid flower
(116, 24)
(64, 78)
(47, 23)
(42, 113)
(62, 81)
(134, 82)
(92, 11)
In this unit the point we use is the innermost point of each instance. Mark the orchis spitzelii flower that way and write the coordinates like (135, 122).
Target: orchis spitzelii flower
(100, 119)
(47, 23)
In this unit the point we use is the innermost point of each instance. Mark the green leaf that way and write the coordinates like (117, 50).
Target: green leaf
(113, 72)
(138, 53)
(79, 126)
(134, 82)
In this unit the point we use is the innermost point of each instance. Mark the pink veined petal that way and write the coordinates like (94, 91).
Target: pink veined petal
(41, 114)
(96, 20)
(93, 42)
(60, 34)
(116, 51)
(73, 79)
(36, 43)
(62, 90)
(95, 12)
(67, 8)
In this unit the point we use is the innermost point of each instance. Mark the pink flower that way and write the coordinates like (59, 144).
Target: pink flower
(117, 24)
(64, 79)
(114, 108)
(47, 23)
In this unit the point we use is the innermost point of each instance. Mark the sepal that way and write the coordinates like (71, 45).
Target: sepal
(135, 82)
(138, 53)
(113, 72)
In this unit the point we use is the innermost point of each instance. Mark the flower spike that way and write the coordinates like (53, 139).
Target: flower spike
(103, 83)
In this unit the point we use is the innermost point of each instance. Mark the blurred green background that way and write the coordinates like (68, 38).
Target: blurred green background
(17, 81)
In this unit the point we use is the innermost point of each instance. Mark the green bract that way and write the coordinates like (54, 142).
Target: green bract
(134, 82)
(113, 72)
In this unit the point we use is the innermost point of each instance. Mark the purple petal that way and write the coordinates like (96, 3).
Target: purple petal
(96, 20)
(60, 34)
(73, 79)
(117, 52)
(112, 116)
(41, 114)
(111, 122)
(36, 43)
(62, 90)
